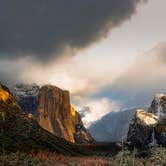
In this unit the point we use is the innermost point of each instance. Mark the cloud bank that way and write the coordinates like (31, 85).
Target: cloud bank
(144, 78)
(83, 75)
(93, 110)
(43, 29)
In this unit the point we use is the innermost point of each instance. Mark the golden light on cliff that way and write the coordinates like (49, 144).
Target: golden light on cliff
(146, 118)
(30, 116)
(72, 111)
(4, 95)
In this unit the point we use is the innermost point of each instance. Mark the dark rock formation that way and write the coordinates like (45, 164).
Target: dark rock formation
(52, 108)
(81, 136)
(148, 128)
(21, 132)
(141, 128)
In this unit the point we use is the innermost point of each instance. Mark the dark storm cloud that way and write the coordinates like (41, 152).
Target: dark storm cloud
(43, 27)
(10, 71)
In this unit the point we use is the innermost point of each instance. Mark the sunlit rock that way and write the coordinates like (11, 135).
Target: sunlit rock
(52, 108)
(4, 95)
(146, 119)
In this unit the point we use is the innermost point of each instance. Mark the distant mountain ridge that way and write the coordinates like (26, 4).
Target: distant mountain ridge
(51, 107)
(113, 126)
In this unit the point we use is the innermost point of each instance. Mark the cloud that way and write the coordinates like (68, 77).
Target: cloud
(11, 72)
(143, 78)
(46, 28)
(90, 73)
(148, 69)
(81, 74)
(84, 76)
(93, 110)
(160, 52)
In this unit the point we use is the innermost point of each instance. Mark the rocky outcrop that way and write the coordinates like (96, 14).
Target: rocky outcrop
(149, 127)
(52, 108)
(141, 128)
(158, 105)
(21, 132)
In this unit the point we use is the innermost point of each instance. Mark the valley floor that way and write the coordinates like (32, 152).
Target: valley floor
(155, 157)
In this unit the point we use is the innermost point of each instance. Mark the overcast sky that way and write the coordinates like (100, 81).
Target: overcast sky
(110, 53)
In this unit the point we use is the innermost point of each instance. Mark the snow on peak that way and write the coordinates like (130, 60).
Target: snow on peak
(25, 90)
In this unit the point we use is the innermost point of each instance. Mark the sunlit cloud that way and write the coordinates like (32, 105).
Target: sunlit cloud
(94, 109)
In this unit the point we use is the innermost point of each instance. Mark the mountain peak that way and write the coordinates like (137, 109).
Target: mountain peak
(159, 98)
(158, 106)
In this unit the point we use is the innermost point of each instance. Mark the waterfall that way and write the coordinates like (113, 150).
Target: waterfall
(153, 137)
(158, 105)
(158, 112)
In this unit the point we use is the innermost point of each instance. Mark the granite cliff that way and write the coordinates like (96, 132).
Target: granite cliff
(51, 107)
(149, 127)
(19, 131)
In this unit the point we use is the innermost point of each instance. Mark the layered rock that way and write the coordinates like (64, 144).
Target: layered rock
(149, 127)
(52, 108)
(21, 132)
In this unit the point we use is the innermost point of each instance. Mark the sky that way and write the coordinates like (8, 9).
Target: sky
(110, 54)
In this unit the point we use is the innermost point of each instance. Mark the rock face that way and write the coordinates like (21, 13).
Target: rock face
(52, 109)
(141, 128)
(21, 132)
(149, 127)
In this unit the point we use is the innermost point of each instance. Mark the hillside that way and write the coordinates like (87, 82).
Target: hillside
(21, 132)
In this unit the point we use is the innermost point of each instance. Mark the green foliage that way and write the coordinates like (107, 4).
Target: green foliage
(126, 158)
(158, 156)
(17, 159)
